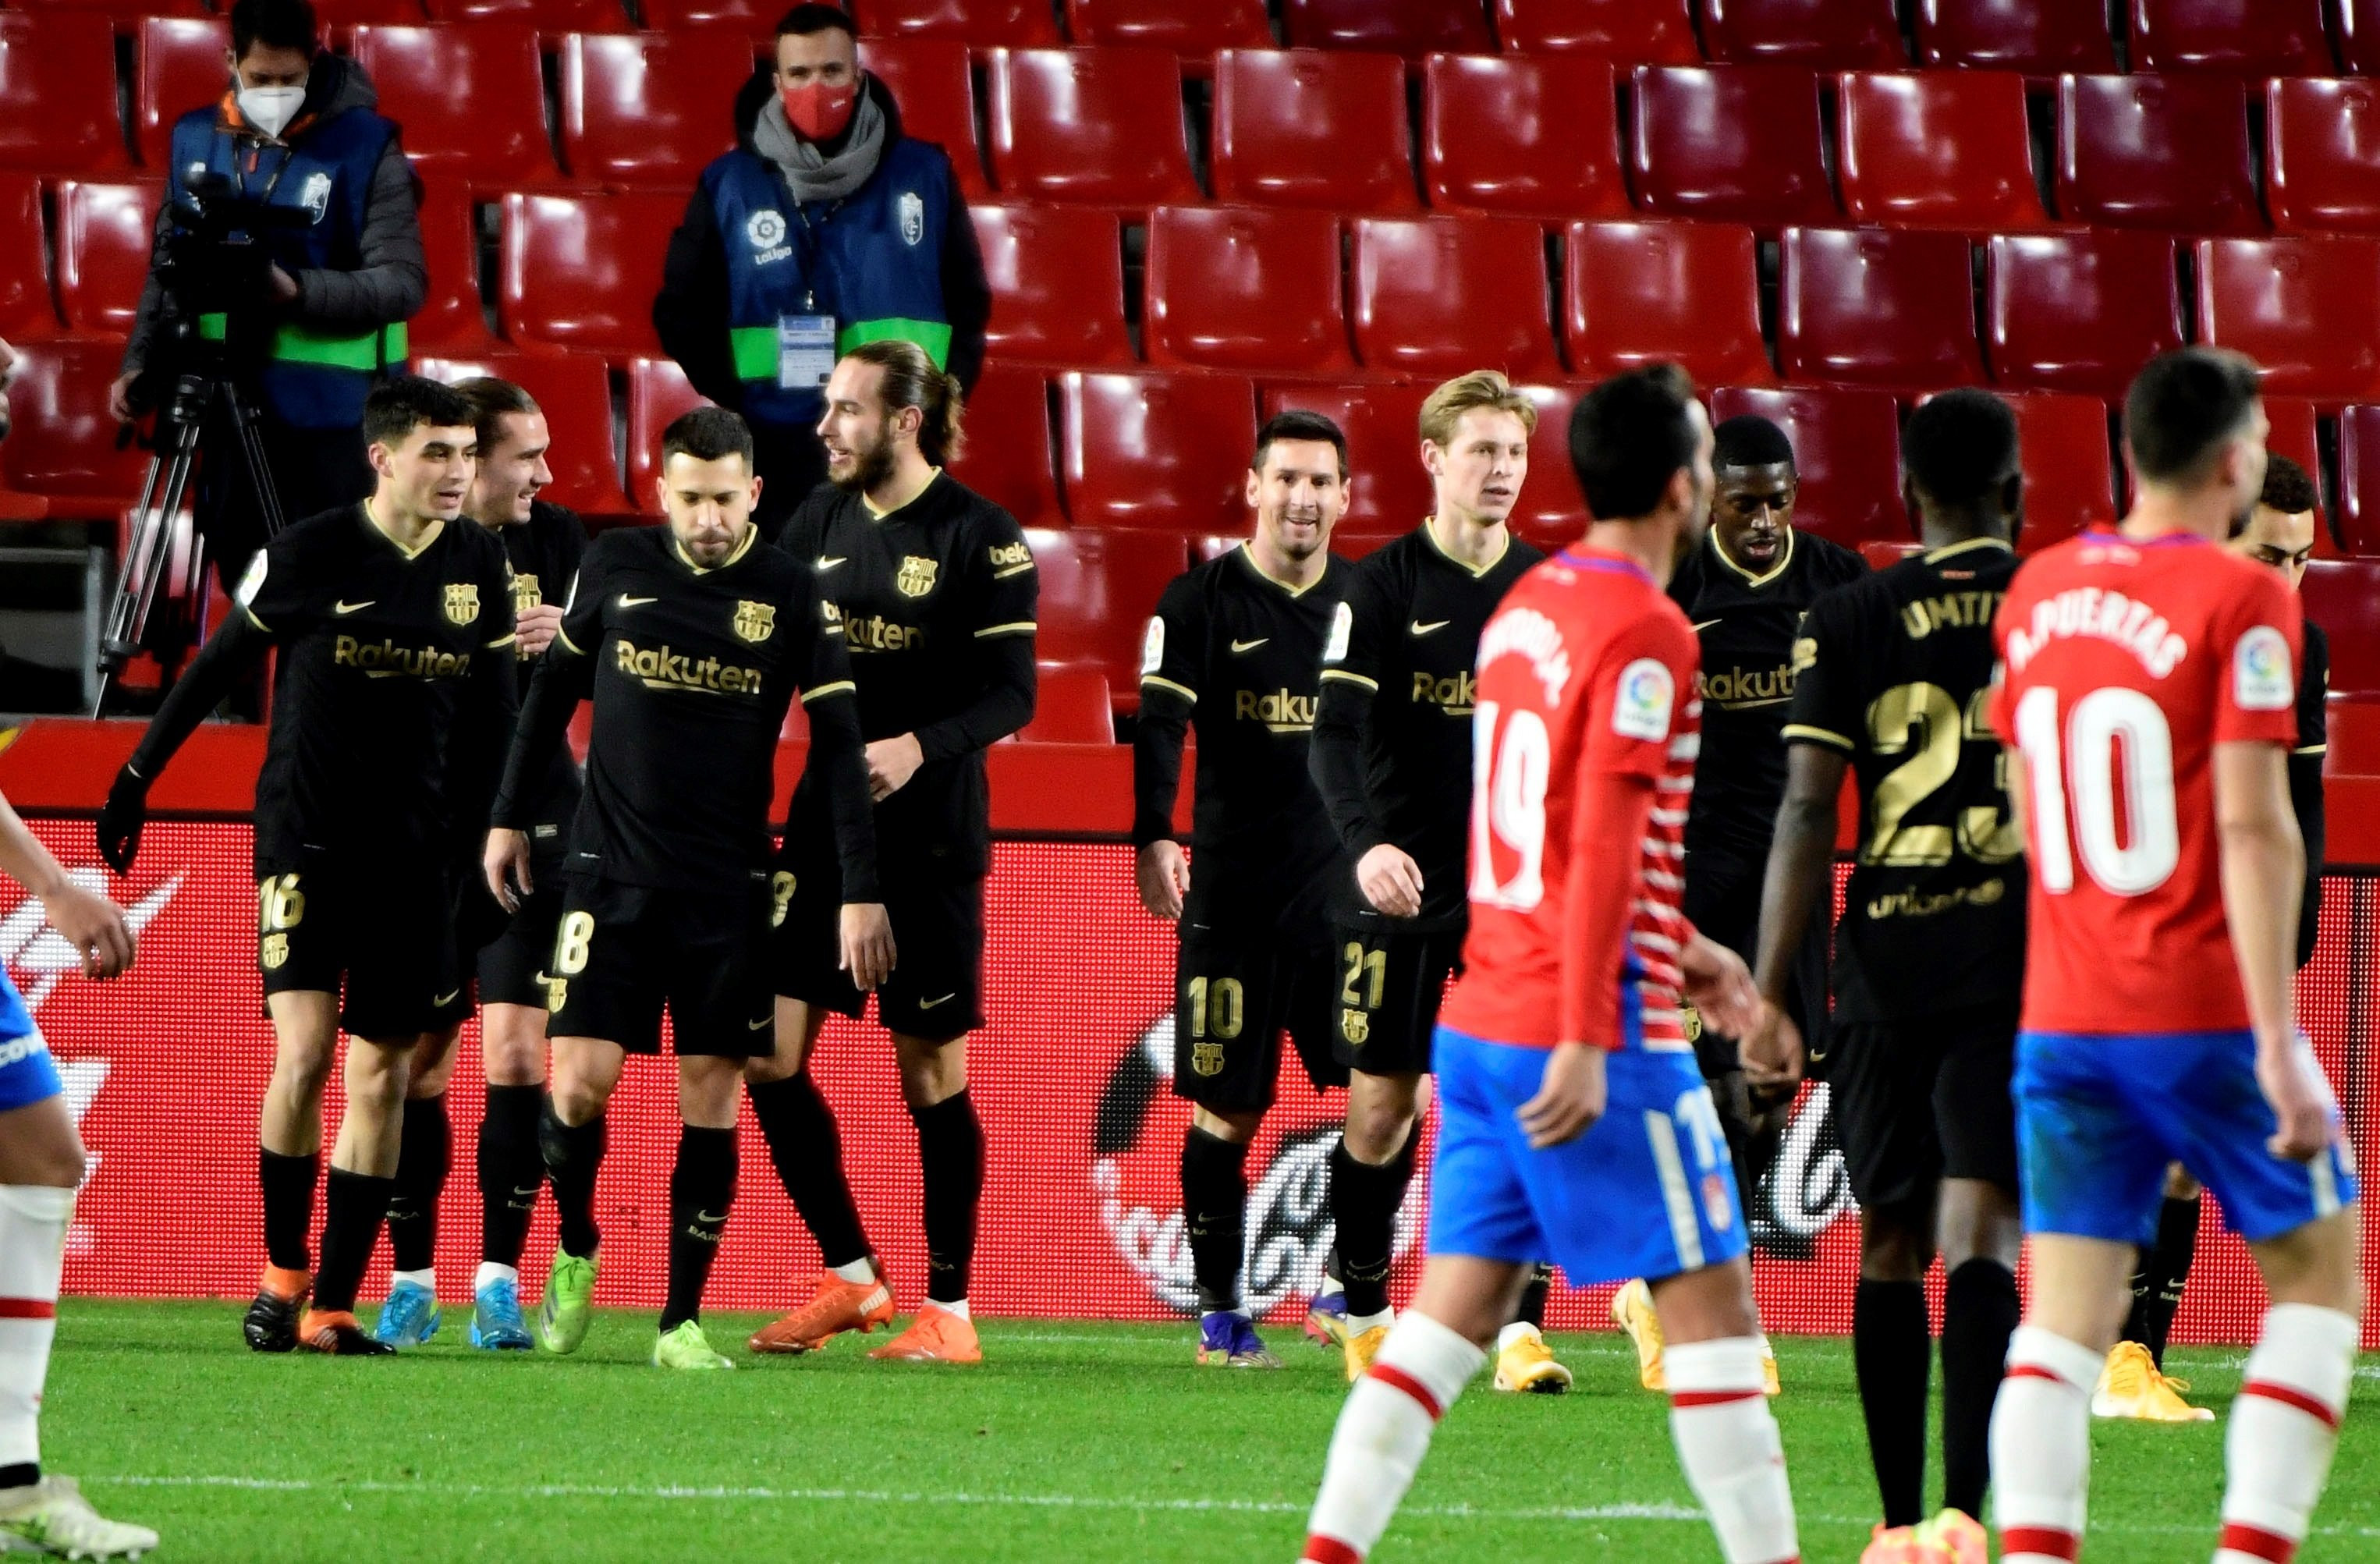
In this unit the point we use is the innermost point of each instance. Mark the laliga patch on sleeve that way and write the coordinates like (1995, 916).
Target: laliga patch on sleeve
(1342, 626)
(2261, 679)
(1152, 647)
(1640, 709)
(252, 582)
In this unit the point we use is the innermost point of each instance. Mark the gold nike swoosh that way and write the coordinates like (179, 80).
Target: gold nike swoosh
(756, 1025)
(444, 999)
(928, 1004)
(353, 608)
(1238, 646)
(1703, 625)
(627, 601)
(1436, 624)
(830, 563)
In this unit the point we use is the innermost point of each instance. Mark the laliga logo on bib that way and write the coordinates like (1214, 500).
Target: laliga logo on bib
(765, 228)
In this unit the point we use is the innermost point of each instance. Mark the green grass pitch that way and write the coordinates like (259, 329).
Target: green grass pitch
(1073, 1441)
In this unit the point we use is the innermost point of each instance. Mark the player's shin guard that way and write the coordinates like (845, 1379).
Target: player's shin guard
(353, 1209)
(32, 1247)
(1215, 1214)
(702, 1186)
(288, 1183)
(510, 1172)
(2164, 1268)
(573, 1154)
(807, 1150)
(950, 1155)
(1979, 1313)
(1892, 1356)
(425, 1153)
(1728, 1443)
(1364, 1201)
(2284, 1427)
(1383, 1433)
(2041, 1446)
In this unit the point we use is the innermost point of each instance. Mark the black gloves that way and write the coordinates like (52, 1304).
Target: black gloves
(121, 817)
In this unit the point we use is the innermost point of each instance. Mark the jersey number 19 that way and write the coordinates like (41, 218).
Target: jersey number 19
(1508, 775)
(2114, 744)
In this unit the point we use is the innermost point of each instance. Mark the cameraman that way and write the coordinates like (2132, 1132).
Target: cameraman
(297, 132)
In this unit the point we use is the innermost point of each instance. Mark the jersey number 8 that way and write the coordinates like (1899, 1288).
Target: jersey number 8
(1508, 806)
(2114, 737)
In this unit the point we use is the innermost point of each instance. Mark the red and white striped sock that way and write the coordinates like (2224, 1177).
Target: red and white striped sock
(33, 1249)
(2284, 1427)
(1727, 1441)
(2041, 1446)
(1383, 1431)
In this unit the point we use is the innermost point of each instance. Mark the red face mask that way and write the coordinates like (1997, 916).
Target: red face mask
(820, 110)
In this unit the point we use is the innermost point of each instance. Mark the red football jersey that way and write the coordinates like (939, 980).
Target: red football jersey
(1586, 670)
(2122, 666)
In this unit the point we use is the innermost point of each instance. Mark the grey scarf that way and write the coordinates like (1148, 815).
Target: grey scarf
(809, 173)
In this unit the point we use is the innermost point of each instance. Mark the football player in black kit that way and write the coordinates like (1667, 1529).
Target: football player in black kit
(2279, 534)
(1893, 671)
(1745, 590)
(692, 638)
(394, 621)
(1235, 647)
(1392, 757)
(938, 593)
(501, 955)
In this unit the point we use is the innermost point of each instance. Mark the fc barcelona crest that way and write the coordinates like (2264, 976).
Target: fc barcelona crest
(916, 577)
(1207, 1058)
(756, 622)
(462, 602)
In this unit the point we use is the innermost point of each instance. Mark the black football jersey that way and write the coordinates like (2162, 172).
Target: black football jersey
(1393, 748)
(939, 601)
(1894, 672)
(376, 646)
(691, 671)
(544, 553)
(2305, 776)
(1238, 656)
(1747, 624)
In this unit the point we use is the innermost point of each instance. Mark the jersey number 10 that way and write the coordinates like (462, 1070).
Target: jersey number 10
(2113, 739)
(1508, 806)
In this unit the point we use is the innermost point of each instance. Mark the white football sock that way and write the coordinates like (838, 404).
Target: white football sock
(425, 1279)
(1358, 1323)
(1383, 1433)
(33, 1250)
(859, 1272)
(1727, 1442)
(490, 1271)
(2284, 1427)
(958, 1308)
(2041, 1446)
(1519, 1331)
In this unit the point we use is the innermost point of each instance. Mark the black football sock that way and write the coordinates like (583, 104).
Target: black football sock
(24, 1475)
(511, 1172)
(1532, 1311)
(2165, 1266)
(288, 1185)
(1892, 1353)
(353, 1209)
(573, 1155)
(425, 1151)
(1364, 1201)
(950, 1155)
(1215, 1214)
(807, 1150)
(702, 1186)
(1979, 1313)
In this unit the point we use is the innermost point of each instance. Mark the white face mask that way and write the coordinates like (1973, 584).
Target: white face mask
(271, 109)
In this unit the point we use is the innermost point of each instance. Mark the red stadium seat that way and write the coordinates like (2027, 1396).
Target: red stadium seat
(658, 394)
(1639, 293)
(454, 320)
(1939, 149)
(2359, 36)
(1009, 458)
(177, 66)
(1305, 127)
(2038, 37)
(1382, 422)
(1411, 28)
(2269, 38)
(1097, 591)
(1245, 288)
(580, 272)
(547, 16)
(2069, 476)
(647, 108)
(1197, 29)
(1438, 295)
(1825, 35)
(1514, 135)
(751, 19)
(2293, 435)
(1057, 285)
(2166, 152)
(1071, 705)
(57, 91)
(932, 83)
(423, 72)
(1877, 307)
(987, 24)
(2359, 481)
(573, 391)
(1629, 32)
(25, 306)
(1089, 124)
(104, 237)
(1846, 450)
(1883, 553)
(2322, 135)
(1161, 452)
(62, 443)
(2080, 311)
(340, 15)
(1551, 513)
(1741, 144)
(2343, 597)
(2305, 308)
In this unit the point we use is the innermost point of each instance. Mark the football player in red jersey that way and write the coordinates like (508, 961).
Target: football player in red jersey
(2148, 695)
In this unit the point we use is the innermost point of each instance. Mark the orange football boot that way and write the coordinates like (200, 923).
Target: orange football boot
(935, 1336)
(836, 1306)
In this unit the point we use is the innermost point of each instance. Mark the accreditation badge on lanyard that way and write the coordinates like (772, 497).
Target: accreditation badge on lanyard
(805, 351)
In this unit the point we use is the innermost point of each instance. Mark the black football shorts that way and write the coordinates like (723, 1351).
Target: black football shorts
(1238, 986)
(1390, 982)
(376, 935)
(936, 989)
(623, 952)
(1923, 1100)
